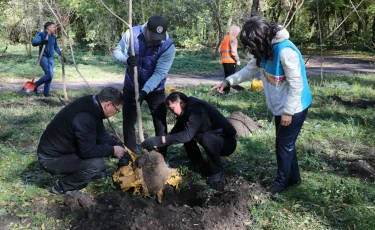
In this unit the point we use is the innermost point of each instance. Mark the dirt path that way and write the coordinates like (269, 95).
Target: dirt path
(338, 64)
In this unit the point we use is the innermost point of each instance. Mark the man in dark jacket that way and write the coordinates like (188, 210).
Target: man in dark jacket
(47, 61)
(154, 56)
(198, 122)
(76, 142)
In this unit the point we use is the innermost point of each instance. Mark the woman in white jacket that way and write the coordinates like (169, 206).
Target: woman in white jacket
(286, 88)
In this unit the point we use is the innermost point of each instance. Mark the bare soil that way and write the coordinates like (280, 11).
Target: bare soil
(190, 208)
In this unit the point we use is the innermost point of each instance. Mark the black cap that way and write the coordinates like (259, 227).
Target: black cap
(157, 27)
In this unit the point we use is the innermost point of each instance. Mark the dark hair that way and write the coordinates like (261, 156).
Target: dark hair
(111, 94)
(48, 24)
(256, 36)
(176, 96)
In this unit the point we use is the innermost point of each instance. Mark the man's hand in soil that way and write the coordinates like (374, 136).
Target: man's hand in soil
(152, 143)
(132, 60)
(124, 160)
(118, 151)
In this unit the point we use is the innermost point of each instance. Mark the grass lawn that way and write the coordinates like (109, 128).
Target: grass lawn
(16, 66)
(334, 135)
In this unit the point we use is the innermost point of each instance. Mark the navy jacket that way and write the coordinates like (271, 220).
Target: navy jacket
(51, 46)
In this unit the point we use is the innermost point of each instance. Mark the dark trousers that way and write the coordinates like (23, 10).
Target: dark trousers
(229, 69)
(215, 146)
(76, 172)
(158, 109)
(286, 136)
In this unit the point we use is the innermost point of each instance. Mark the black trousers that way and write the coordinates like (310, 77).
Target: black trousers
(76, 172)
(286, 136)
(215, 146)
(229, 69)
(158, 109)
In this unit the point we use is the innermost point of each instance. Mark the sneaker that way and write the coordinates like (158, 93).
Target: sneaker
(276, 188)
(58, 190)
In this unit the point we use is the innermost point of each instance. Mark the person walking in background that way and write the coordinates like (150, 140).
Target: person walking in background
(229, 55)
(47, 60)
(154, 57)
(286, 88)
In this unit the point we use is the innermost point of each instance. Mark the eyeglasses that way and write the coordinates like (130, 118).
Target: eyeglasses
(117, 111)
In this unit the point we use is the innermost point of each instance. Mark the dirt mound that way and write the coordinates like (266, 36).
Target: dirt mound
(243, 124)
(191, 208)
(362, 169)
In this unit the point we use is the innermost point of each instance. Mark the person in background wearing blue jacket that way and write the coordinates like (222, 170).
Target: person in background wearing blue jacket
(154, 56)
(286, 88)
(47, 61)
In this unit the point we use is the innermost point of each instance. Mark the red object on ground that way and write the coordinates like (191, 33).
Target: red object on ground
(29, 87)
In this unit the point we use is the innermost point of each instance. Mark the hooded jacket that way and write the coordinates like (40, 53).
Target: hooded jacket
(284, 77)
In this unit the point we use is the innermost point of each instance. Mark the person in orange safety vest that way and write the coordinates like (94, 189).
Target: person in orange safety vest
(229, 56)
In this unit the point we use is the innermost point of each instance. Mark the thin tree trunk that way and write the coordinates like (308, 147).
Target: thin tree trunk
(321, 47)
(40, 11)
(63, 66)
(373, 31)
(135, 70)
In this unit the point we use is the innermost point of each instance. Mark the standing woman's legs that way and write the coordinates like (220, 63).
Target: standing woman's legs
(286, 136)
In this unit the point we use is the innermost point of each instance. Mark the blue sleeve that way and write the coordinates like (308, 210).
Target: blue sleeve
(120, 53)
(56, 48)
(85, 131)
(37, 41)
(162, 67)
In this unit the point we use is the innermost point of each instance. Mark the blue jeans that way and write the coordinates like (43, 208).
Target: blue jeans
(286, 136)
(47, 64)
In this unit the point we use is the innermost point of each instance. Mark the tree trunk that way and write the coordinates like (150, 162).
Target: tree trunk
(40, 18)
(255, 8)
(373, 32)
(344, 26)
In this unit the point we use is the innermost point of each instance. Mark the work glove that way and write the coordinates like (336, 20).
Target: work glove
(149, 143)
(238, 63)
(142, 96)
(44, 42)
(124, 160)
(132, 60)
(141, 161)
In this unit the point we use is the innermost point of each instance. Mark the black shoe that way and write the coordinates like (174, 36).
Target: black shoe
(238, 88)
(57, 189)
(294, 182)
(276, 188)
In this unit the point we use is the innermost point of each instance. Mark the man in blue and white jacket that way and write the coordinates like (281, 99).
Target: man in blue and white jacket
(154, 57)
(286, 88)
(47, 60)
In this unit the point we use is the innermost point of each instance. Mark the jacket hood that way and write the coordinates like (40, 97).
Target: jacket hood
(282, 35)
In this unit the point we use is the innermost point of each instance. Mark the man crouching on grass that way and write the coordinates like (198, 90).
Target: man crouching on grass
(198, 122)
(76, 142)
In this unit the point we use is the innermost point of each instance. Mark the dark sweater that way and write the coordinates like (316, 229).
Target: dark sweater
(77, 129)
(198, 118)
